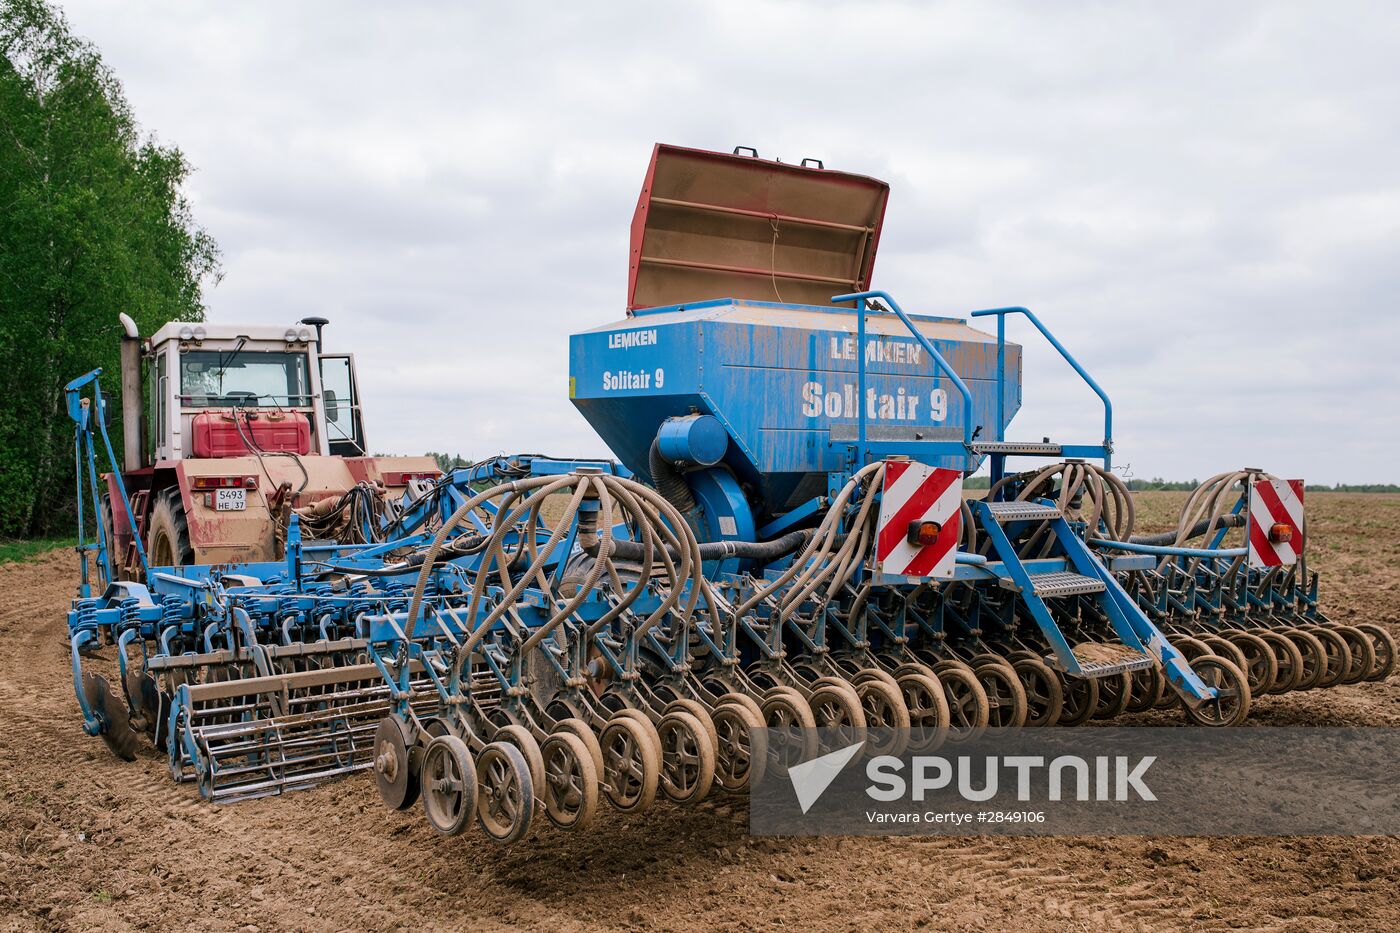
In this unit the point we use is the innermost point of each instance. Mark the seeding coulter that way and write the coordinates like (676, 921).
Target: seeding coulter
(784, 539)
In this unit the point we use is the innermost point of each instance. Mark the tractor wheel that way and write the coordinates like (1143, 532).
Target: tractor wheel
(104, 515)
(170, 532)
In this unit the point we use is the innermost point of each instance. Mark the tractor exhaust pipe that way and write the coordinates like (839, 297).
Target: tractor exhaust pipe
(133, 412)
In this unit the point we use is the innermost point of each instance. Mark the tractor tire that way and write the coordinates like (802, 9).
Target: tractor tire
(104, 515)
(169, 545)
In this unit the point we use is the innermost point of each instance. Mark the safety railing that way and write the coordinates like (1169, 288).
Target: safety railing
(1107, 451)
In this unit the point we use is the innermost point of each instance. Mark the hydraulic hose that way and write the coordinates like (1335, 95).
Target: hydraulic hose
(1204, 526)
(668, 480)
(764, 551)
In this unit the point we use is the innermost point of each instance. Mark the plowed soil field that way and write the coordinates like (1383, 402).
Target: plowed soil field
(91, 843)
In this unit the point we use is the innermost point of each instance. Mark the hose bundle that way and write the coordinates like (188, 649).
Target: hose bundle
(1211, 506)
(1084, 493)
(657, 527)
(354, 517)
(836, 548)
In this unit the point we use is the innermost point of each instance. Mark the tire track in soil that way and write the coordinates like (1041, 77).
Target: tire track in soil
(1141, 905)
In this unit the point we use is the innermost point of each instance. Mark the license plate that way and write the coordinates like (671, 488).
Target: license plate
(230, 500)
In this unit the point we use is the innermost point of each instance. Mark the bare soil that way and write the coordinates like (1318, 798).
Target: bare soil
(91, 843)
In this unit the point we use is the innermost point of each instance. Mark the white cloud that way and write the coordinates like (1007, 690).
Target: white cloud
(1201, 200)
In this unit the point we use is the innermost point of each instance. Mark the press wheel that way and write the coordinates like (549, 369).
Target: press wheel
(1081, 700)
(631, 764)
(885, 711)
(586, 735)
(1045, 697)
(1361, 650)
(929, 716)
(506, 801)
(1260, 663)
(570, 781)
(1148, 686)
(1383, 644)
(687, 757)
(968, 708)
(1230, 707)
(742, 746)
(838, 709)
(448, 781)
(522, 739)
(1115, 693)
(1288, 661)
(792, 727)
(1006, 700)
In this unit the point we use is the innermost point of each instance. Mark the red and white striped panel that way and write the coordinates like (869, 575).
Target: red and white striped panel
(1275, 502)
(916, 492)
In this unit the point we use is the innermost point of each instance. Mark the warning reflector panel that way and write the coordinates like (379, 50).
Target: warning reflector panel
(920, 520)
(1275, 523)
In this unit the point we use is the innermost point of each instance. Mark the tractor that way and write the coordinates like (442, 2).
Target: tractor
(241, 425)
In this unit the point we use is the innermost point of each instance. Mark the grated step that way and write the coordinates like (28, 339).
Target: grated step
(1099, 659)
(1023, 448)
(1065, 583)
(1022, 511)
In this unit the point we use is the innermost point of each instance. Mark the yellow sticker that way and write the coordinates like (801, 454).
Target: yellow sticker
(573, 386)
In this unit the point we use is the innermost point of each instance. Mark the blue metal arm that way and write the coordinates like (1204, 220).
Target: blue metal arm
(83, 419)
(860, 298)
(1069, 358)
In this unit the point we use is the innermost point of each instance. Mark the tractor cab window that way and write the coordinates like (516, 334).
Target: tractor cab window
(344, 430)
(238, 378)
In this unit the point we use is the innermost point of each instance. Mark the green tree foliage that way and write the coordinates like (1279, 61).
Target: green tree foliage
(92, 223)
(1157, 484)
(447, 463)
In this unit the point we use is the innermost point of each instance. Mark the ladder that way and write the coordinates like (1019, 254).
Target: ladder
(1082, 575)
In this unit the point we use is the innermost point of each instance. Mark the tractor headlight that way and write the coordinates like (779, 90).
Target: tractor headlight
(187, 333)
(304, 335)
(291, 335)
(200, 333)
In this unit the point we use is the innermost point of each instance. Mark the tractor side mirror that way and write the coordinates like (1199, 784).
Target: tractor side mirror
(332, 405)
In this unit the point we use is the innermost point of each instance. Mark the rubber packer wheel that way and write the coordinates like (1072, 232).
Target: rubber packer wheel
(1045, 697)
(968, 708)
(884, 709)
(448, 782)
(570, 781)
(1384, 645)
(838, 710)
(506, 801)
(1006, 698)
(687, 757)
(929, 716)
(1081, 699)
(742, 746)
(793, 729)
(1231, 706)
(1260, 663)
(631, 764)
(1115, 693)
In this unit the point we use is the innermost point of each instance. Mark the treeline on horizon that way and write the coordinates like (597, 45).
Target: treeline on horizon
(1157, 484)
(449, 462)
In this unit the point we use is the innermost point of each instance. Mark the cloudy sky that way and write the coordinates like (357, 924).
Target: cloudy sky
(1203, 200)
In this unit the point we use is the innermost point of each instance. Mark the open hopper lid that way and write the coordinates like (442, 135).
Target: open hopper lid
(715, 225)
